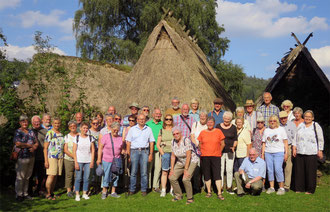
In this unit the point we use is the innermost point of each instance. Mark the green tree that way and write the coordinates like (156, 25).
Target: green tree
(3, 39)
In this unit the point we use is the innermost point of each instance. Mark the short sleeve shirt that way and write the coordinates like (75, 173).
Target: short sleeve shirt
(107, 147)
(167, 138)
(274, 139)
(243, 139)
(96, 135)
(155, 129)
(69, 140)
(197, 128)
(56, 144)
(210, 142)
(140, 138)
(84, 153)
(254, 169)
(181, 149)
(27, 138)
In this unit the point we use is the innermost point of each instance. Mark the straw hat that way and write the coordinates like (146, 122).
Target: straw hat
(283, 114)
(134, 104)
(249, 102)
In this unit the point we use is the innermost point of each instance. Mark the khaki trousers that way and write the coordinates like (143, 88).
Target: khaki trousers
(177, 172)
(255, 188)
(288, 169)
(69, 173)
(158, 169)
(24, 168)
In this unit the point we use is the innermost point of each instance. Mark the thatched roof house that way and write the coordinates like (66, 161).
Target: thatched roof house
(172, 65)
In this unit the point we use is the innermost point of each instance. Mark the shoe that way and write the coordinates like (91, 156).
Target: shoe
(263, 189)
(115, 195)
(85, 196)
(287, 190)
(240, 195)
(130, 193)
(70, 194)
(144, 193)
(163, 194)
(230, 191)
(280, 191)
(28, 197)
(157, 190)
(103, 195)
(270, 190)
(19, 199)
(77, 198)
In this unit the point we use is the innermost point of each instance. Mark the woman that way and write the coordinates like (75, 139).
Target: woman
(94, 180)
(274, 152)
(307, 147)
(106, 157)
(164, 142)
(211, 143)
(183, 161)
(287, 107)
(243, 143)
(228, 153)
(258, 134)
(99, 116)
(69, 158)
(298, 113)
(194, 111)
(83, 152)
(240, 113)
(25, 145)
(131, 123)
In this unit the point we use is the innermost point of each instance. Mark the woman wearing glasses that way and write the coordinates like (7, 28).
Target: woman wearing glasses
(275, 152)
(95, 181)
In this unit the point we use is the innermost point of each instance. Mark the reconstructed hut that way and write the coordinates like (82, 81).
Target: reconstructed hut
(172, 65)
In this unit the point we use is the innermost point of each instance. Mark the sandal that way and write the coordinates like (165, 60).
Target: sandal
(189, 201)
(175, 199)
(208, 195)
(50, 197)
(221, 197)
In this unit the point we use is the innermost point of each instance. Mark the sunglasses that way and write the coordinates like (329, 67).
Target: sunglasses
(260, 122)
(146, 110)
(95, 123)
(168, 119)
(132, 120)
(176, 133)
(117, 119)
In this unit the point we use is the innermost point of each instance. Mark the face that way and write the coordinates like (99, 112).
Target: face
(240, 113)
(249, 109)
(202, 118)
(226, 120)
(115, 131)
(284, 120)
(177, 135)
(168, 120)
(78, 118)
(109, 120)
(210, 124)
(239, 123)
(73, 128)
(267, 98)
(24, 124)
(286, 107)
(56, 124)
(194, 106)
(185, 110)
(84, 129)
(253, 156)
(132, 122)
(217, 106)
(36, 122)
(46, 121)
(111, 110)
(99, 118)
(157, 115)
(134, 110)
(117, 119)
(260, 124)
(175, 104)
(141, 120)
(95, 124)
(308, 117)
(272, 123)
(145, 111)
(297, 115)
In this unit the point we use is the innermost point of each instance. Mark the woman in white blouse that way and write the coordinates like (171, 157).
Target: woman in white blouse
(307, 147)
(287, 107)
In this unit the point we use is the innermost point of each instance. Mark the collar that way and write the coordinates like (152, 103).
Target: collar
(153, 120)
(191, 112)
(216, 111)
(138, 127)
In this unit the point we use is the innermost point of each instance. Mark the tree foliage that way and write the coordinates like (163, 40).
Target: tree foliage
(3, 40)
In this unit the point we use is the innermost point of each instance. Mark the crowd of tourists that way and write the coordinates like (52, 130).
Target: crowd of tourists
(154, 151)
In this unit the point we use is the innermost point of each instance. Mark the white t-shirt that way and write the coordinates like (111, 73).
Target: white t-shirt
(84, 149)
(196, 129)
(274, 139)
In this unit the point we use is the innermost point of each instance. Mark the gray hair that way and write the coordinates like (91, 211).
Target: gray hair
(115, 125)
(298, 109)
(309, 111)
(45, 114)
(228, 114)
(72, 122)
(117, 114)
(109, 115)
(210, 118)
(202, 112)
(238, 109)
(23, 117)
(35, 116)
(176, 128)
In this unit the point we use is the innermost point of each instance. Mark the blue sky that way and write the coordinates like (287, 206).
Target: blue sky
(259, 30)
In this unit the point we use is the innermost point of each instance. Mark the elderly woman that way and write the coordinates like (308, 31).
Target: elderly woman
(69, 158)
(211, 143)
(110, 143)
(83, 152)
(258, 134)
(25, 145)
(228, 154)
(307, 147)
(131, 123)
(183, 161)
(298, 113)
(240, 113)
(275, 151)
(164, 143)
(287, 107)
(194, 111)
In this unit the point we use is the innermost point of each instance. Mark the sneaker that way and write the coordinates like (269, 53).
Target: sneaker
(70, 194)
(270, 190)
(77, 198)
(85, 196)
(115, 195)
(104, 195)
(163, 194)
(286, 190)
(19, 198)
(280, 191)
(28, 197)
(230, 191)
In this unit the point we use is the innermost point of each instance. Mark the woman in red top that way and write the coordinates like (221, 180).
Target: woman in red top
(211, 143)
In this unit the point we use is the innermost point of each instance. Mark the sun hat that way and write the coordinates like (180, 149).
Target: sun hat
(249, 102)
(283, 114)
(134, 104)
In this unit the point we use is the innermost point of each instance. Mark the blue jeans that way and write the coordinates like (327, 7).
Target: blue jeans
(107, 178)
(166, 161)
(274, 162)
(139, 158)
(83, 167)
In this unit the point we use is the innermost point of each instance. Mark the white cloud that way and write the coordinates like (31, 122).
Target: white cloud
(264, 18)
(24, 53)
(322, 58)
(9, 3)
(53, 19)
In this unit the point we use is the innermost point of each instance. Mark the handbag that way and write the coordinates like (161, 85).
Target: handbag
(14, 155)
(116, 166)
(320, 160)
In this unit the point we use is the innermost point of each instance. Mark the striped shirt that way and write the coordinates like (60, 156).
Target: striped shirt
(178, 121)
(268, 112)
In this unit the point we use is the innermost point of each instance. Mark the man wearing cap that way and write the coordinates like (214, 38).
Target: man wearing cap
(268, 109)
(251, 116)
(290, 129)
(175, 109)
(217, 113)
(134, 107)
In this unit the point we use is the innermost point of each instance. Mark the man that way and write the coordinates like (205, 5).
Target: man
(175, 107)
(46, 122)
(39, 170)
(268, 109)
(251, 116)
(140, 147)
(134, 107)
(194, 111)
(145, 111)
(111, 110)
(217, 113)
(79, 118)
(290, 129)
(251, 174)
(155, 124)
(184, 121)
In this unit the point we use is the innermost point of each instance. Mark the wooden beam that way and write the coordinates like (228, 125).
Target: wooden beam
(306, 40)
(295, 37)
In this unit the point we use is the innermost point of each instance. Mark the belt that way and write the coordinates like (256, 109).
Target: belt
(144, 148)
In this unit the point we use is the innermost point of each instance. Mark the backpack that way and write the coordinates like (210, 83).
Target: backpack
(90, 139)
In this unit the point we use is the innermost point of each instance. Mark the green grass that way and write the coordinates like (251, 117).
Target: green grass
(152, 202)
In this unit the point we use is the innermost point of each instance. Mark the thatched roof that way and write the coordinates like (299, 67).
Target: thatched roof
(172, 65)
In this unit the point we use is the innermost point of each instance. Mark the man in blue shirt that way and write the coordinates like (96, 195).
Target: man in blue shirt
(217, 113)
(140, 148)
(250, 174)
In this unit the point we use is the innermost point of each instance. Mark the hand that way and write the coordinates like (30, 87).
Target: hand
(294, 152)
(46, 165)
(98, 162)
(241, 172)
(186, 174)
(76, 166)
(248, 185)
(320, 154)
(232, 149)
(129, 158)
(285, 157)
(171, 173)
(91, 165)
(150, 158)
(31, 149)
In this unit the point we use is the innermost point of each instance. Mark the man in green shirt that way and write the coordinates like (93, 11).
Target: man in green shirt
(155, 124)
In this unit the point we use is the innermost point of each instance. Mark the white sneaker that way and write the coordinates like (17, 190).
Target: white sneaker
(163, 194)
(270, 190)
(85, 196)
(280, 191)
(77, 198)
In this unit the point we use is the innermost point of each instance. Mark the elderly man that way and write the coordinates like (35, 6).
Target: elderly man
(145, 111)
(111, 110)
(217, 113)
(175, 109)
(251, 174)
(46, 122)
(194, 111)
(155, 124)
(134, 107)
(140, 147)
(184, 121)
(251, 116)
(79, 118)
(290, 129)
(268, 109)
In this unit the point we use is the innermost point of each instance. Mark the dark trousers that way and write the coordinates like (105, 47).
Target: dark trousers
(305, 173)
(39, 173)
(238, 162)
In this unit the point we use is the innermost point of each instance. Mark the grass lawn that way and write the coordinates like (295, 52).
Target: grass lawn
(320, 201)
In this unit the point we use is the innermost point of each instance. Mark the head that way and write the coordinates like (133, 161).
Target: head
(117, 118)
(111, 110)
(132, 120)
(194, 104)
(267, 98)
(157, 115)
(273, 122)
(134, 110)
(218, 102)
(99, 116)
(95, 123)
(56, 123)
(109, 118)
(283, 117)
(260, 122)
(72, 125)
(227, 118)
(46, 120)
(287, 105)
(253, 154)
(145, 110)
(24, 121)
(84, 128)
(115, 128)
(185, 109)
(79, 117)
(177, 133)
(210, 123)
(298, 113)
(249, 105)
(240, 111)
(168, 121)
(239, 121)
(175, 103)
(308, 116)
(141, 120)
(36, 122)
(203, 117)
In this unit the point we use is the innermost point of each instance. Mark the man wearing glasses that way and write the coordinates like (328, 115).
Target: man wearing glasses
(145, 111)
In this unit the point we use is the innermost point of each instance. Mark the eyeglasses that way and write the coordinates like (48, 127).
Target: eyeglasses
(168, 119)
(260, 122)
(176, 133)
(131, 120)
(117, 119)
(146, 110)
(95, 123)
(272, 121)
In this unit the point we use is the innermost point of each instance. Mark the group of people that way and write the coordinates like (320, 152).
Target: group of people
(199, 146)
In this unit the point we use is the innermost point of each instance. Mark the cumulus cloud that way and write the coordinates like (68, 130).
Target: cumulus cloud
(9, 4)
(264, 18)
(322, 58)
(24, 53)
(53, 19)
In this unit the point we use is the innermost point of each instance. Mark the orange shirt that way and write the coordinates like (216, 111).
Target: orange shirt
(209, 142)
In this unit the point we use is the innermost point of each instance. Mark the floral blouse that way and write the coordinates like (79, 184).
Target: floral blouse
(27, 138)
(257, 141)
(180, 151)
